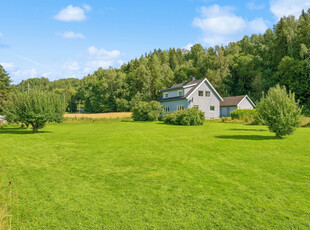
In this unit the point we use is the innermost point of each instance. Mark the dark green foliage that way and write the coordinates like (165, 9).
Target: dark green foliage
(147, 111)
(247, 115)
(249, 66)
(34, 108)
(5, 86)
(279, 111)
(189, 116)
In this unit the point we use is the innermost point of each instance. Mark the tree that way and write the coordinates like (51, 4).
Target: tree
(279, 111)
(34, 108)
(5, 86)
(147, 111)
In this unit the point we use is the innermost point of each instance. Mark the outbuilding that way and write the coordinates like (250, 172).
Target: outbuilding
(230, 104)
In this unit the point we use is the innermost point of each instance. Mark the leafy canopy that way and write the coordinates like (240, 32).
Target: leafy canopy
(34, 108)
(5, 86)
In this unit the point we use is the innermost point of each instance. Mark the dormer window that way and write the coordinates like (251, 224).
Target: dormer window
(180, 93)
(165, 95)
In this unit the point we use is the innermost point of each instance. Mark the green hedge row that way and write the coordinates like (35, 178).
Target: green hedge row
(247, 115)
(190, 116)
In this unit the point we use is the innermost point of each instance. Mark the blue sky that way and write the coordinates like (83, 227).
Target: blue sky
(60, 39)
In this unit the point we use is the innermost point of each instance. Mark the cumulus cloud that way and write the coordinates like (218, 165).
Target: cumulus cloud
(71, 34)
(8, 66)
(188, 46)
(19, 75)
(220, 25)
(87, 7)
(71, 13)
(282, 8)
(94, 59)
(254, 6)
(71, 66)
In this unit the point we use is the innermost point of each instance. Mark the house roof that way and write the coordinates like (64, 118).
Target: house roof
(194, 83)
(234, 101)
(183, 85)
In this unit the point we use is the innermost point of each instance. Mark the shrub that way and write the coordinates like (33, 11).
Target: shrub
(243, 114)
(279, 111)
(190, 116)
(147, 111)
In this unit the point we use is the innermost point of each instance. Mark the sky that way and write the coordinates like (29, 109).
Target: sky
(63, 38)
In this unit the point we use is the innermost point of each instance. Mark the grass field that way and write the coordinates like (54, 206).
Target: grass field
(109, 174)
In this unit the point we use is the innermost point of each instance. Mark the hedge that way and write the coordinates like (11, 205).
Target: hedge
(189, 116)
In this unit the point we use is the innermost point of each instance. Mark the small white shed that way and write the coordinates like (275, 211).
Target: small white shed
(230, 104)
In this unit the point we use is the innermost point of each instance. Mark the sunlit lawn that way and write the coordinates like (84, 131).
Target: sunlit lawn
(147, 175)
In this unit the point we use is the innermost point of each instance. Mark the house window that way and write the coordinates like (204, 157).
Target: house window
(196, 106)
(180, 107)
(212, 108)
(165, 95)
(167, 109)
(200, 93)
(207, 93)
(180, 93)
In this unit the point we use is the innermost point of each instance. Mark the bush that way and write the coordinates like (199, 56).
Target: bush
(246, 115)
(279, 111)
(147, 111)
(190, 116)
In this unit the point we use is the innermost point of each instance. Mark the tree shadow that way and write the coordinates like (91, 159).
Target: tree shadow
(248, 137)
(258, 130)
(20, 131)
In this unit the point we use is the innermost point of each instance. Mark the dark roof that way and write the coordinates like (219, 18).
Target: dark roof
(181, 86)
(231, 101)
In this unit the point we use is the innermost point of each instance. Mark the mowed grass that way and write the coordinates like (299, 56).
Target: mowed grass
(110, 174)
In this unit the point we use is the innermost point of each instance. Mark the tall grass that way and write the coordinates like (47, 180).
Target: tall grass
(5, 206)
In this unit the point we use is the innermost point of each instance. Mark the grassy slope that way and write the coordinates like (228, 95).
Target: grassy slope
(150, 175)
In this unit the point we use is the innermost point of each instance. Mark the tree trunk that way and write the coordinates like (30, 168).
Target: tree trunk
(35, 128)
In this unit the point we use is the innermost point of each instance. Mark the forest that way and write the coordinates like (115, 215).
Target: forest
(250, 66)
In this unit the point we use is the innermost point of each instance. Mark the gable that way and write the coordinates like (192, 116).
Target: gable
(246, 103)
(209, 86)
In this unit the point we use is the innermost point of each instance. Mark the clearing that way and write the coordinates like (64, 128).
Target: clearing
(112, 174)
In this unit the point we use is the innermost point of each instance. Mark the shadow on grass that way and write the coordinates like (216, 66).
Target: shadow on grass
(20, 131)
(258, 130)
(248, 137)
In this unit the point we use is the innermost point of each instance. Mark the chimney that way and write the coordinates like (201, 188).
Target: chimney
(192, 78)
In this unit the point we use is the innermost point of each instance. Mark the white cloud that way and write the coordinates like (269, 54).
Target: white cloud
(71, 13)
(71, 66)
(94, 59)
(19, 75)
(87, 7)
(220, 25)
(282, 8)
(254, 6)
(8, 66)
(188, 46)
(71, 34)
(257, 25)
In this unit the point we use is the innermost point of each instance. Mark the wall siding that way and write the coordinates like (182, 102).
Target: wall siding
(173, 93)
(204, 102)
(226, 111)
(245, 104)
(173, 104)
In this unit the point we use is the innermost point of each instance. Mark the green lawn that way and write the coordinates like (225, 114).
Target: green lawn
(148, 175)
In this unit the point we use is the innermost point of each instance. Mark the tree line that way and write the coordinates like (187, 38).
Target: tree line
(250, 66)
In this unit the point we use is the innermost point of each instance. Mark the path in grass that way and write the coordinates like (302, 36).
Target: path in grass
(112, 175)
